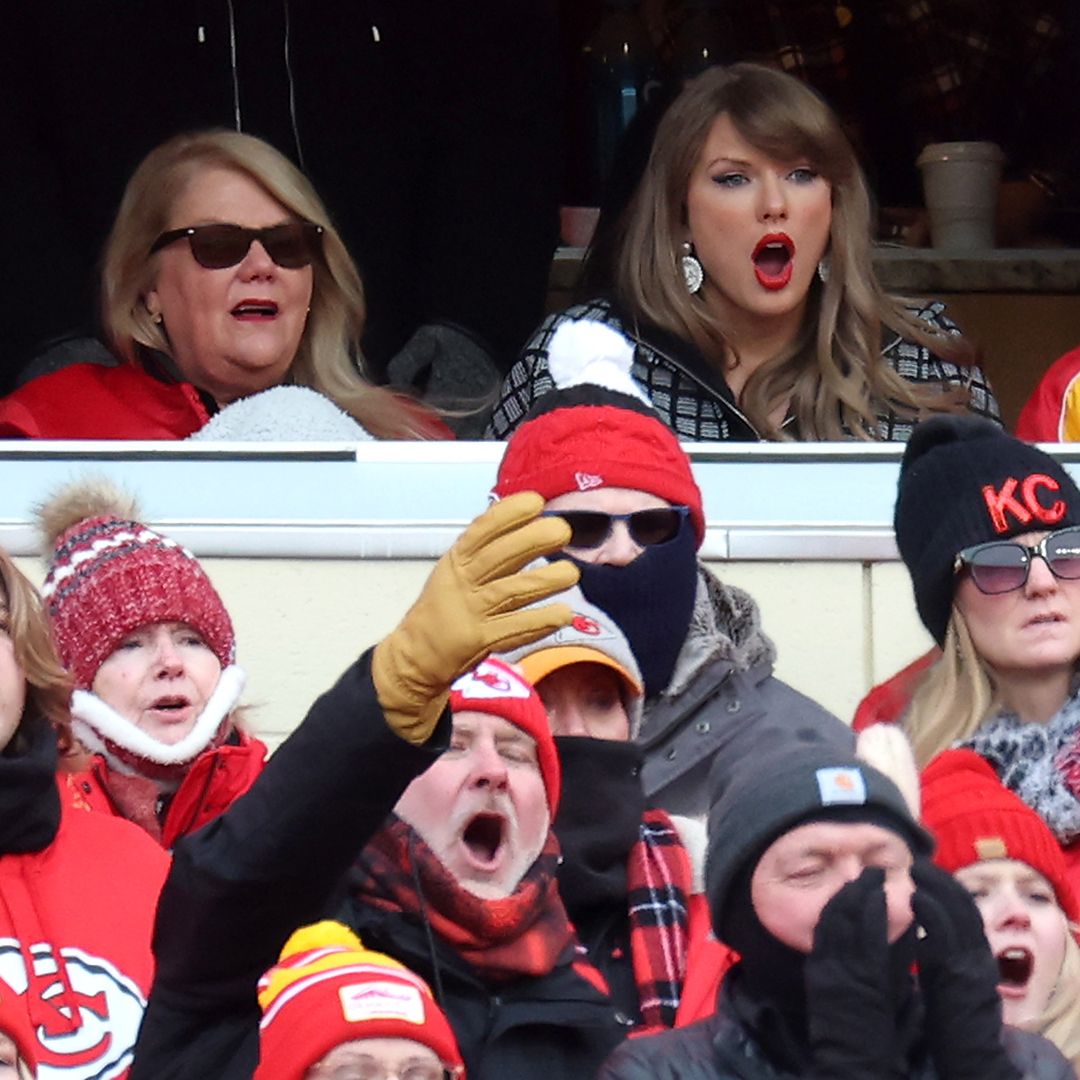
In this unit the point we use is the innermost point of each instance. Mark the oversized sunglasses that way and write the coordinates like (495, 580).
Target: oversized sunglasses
(590, 528)
(1004, 565)
(291, 245)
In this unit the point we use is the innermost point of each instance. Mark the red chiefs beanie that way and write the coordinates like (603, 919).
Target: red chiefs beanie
(974, 818)
(109, 575)
(496, 688)
(327, 989)
(596, 429)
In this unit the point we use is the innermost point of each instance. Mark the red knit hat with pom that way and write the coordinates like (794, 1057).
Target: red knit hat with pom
(496, 688)
(597, 429)
(110, 574)
(327, 989)
(974, 818)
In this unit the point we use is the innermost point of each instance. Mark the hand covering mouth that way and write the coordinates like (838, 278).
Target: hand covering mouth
(255, 309)
(1015, 966)
(484, 837)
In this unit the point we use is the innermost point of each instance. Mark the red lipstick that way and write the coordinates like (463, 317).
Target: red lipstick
(773, 255)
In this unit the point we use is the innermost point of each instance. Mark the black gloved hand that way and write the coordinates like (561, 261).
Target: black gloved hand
(958, 977)
(848, 993)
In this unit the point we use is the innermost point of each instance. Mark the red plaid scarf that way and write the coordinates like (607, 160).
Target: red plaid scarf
(659, 885)
(526, 933)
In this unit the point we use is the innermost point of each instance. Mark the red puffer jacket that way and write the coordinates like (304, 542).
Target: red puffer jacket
(215, 780)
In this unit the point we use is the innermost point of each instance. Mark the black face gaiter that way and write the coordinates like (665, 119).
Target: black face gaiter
(599, 820)
(651, 600)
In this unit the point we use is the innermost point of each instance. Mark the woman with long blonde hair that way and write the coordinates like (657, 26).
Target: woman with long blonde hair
(989, 528)
(223, 276)
(742, 271)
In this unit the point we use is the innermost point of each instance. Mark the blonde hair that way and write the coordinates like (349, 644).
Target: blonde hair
(833, 375)
(328, 358)
(954, 697)
(1060, 1020)
(48, 685)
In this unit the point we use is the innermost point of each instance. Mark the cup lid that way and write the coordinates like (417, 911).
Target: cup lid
(960, 151)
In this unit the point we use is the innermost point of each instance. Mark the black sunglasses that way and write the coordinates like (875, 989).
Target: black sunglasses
(590, 528)
(1004, 565)
(292, 245)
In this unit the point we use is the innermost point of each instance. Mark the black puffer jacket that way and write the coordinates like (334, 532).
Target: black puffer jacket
(721, 1048)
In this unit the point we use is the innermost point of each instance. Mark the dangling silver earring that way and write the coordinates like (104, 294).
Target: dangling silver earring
(692, 273)
(823, 270)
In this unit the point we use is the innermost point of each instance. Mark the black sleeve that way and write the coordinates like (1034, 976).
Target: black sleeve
(239, 886)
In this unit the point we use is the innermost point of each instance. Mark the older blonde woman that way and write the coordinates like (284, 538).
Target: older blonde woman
(222, 277)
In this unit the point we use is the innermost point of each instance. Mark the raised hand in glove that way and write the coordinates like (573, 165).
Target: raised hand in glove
(471, 606)
(958, 977)
(848, 993)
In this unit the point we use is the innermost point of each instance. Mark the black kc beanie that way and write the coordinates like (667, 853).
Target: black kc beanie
(963, 481)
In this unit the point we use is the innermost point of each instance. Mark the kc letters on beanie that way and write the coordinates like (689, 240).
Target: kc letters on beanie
(327, 989)
(963, 481)
(974, 818)
(109, 575)
(495, 688)
(597, 429)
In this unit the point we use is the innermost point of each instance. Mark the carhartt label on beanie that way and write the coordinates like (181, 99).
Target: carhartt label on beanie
(494, 687)
(963, 481)
(597, 429)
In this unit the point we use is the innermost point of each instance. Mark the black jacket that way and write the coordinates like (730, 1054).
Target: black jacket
(556, 1027)
(271, 863)
(721, 1048)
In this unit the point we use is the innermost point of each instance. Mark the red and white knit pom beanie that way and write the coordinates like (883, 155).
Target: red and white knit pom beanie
(109, 575)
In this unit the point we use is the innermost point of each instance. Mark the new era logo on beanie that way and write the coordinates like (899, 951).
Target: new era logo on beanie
(597, 429)
(494, 687)
(963, 481)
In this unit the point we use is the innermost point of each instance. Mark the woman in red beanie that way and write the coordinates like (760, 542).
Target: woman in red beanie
(150, 649)
(742, 271)
(1007, 858)
(602, 459)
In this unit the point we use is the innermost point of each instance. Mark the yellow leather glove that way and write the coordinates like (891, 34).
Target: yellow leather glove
(470, 606)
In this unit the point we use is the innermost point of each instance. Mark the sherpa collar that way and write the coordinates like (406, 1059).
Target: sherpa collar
(102, 730)
(725, 625)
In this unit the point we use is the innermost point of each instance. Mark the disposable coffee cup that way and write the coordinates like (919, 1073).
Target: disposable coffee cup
(960, 188)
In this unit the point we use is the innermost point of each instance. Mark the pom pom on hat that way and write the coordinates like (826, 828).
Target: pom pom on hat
(963, 481)
(587, 352)
(109, 574)
(494, 687)
(975, 818)
(327, 989)
(589, 434)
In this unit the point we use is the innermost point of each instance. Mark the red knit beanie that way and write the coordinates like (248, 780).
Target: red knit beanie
(110, 574)
(15, 1024)
(496, 688)
(974, 818)
(327, 989)
(596, 429)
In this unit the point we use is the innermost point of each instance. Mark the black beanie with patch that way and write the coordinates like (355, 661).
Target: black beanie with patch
(964, 481)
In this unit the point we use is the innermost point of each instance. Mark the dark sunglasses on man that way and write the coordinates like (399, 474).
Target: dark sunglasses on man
(291, 245)
(647, 528)
(1001, 566)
